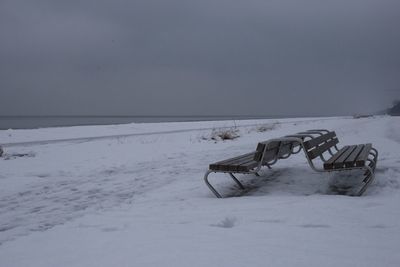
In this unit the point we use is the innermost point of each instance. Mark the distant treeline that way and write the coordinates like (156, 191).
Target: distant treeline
(395, 110)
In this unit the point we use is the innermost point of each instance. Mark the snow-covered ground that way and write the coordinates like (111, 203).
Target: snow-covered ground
(133, 195)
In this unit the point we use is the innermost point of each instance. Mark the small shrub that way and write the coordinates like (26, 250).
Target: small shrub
(222, 134)
(266, 127)
(226, 134)
(8, 156)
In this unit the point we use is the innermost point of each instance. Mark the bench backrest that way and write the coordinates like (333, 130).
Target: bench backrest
(313, 147)
(318, 145)
(274, 149)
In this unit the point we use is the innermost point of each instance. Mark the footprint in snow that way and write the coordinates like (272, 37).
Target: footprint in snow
(271, 221)
(228, 222)
(43, 175)
(315, 225)
(379, 226)
(110, 229)
(372, 205)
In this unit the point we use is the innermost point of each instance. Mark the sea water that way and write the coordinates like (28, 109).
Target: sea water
(33, 122)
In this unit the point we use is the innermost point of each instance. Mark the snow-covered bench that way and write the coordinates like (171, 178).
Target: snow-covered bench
(266, 154)
(315, 144)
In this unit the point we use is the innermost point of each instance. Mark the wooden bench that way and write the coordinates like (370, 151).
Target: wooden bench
(362, 156)
(266, 154)
(314, 143)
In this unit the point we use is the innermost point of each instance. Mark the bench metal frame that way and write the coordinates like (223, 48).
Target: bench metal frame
(254, 171)
(295, 140)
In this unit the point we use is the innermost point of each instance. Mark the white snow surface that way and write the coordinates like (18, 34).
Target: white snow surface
(134, 195)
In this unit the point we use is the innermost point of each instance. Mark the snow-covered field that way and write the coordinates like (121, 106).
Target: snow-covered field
(133, 195)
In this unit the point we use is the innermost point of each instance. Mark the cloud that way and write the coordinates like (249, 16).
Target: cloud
(198, 57)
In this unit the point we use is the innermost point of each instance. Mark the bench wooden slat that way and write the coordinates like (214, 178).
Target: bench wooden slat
(312, 132)
(272, 146)
(339, 162)
(269, 156)
(242, 161)
(221, 165)
(246, 166)
(318, 140)
(241, 166)
(363, 156)
(350, 161)
(285, 149)
(226, 161)
(328, 165)
(233, 163)
(301, 136)
(322, 148)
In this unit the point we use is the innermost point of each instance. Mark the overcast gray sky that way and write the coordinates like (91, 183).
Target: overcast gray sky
(208, 57)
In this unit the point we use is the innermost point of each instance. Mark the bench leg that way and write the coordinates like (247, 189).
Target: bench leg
(218, 195)
(369, 174)
(367, 180)
(210, 186)
(372, 161)
(237, 181)
(374, 154)
(369, 171)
